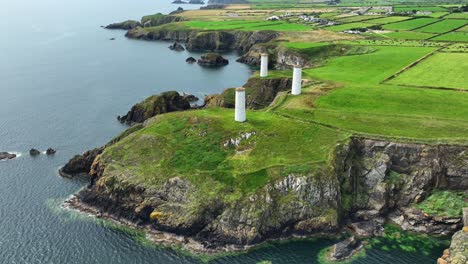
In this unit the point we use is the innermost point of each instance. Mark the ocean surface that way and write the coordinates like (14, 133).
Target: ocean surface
(62, 84)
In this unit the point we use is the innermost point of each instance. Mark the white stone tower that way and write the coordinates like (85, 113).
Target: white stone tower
(297, 80)
(264, 65)
(240, 115)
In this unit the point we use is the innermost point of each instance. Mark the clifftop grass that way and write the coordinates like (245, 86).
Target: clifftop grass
(192, 145)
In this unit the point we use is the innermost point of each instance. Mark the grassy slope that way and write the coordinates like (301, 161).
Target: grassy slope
(191, 145)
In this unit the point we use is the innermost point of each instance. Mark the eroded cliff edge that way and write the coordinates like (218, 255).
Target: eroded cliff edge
(368, 182)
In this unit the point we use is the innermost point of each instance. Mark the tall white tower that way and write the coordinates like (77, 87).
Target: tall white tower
(240, 115)
(297, 80)
(264, 65)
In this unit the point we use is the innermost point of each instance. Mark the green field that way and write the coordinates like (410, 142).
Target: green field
(419, 8)
(348, 26)
(443, 26)
(248, 25)
(386, 20)
(463, 29)
(355, 18)
(435, 14)
(447, 70)
(458, 15)
(453, 36)
(410, 24)
(409, 35)
(457, 47)
(365, 106)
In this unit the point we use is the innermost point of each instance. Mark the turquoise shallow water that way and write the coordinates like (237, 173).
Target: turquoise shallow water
(62, 84)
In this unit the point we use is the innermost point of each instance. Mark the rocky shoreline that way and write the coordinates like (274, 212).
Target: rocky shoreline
(384, 200)
(167, 238)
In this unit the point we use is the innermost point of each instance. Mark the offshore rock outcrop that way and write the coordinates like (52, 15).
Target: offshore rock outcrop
(212, 60)
(361, 186)
(7, 156)
(206, 40)
(260, 93)
(154, 105)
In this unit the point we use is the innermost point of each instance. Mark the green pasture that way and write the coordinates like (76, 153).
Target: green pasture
(348, 26)
(386, 20)
(443, 26)
(248, 25)
(463, 29)
(453, 37)
(410, 24)
(408, 35)
(419, 8)
(458, 15)
(351, 19)
(444, 70)
(365, 106)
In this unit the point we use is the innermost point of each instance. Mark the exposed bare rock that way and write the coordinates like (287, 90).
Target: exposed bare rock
(155, 105)
(345, 249)
(212, 60)
(80, 163)
(34, 152)
(7, 156)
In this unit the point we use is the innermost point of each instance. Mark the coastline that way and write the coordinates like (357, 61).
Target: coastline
(171, 240)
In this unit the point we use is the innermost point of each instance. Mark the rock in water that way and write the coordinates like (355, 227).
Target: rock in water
(190, 60)
(179, 2)
(6, 155)
(212, 60)
(177, 47)
(345, 249)
(50, 151)
(34, 152)
(155, 105)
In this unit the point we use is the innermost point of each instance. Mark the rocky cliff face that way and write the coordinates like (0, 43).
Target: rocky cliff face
(297, 204)
(385, 179)
(208, 40)
(260, 93)
(80, 163)
(282, 58)
(155, 105)
(370, 180)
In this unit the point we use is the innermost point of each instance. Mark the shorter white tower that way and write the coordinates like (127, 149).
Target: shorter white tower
(297, 80)
(264, 65)
(240, 105)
